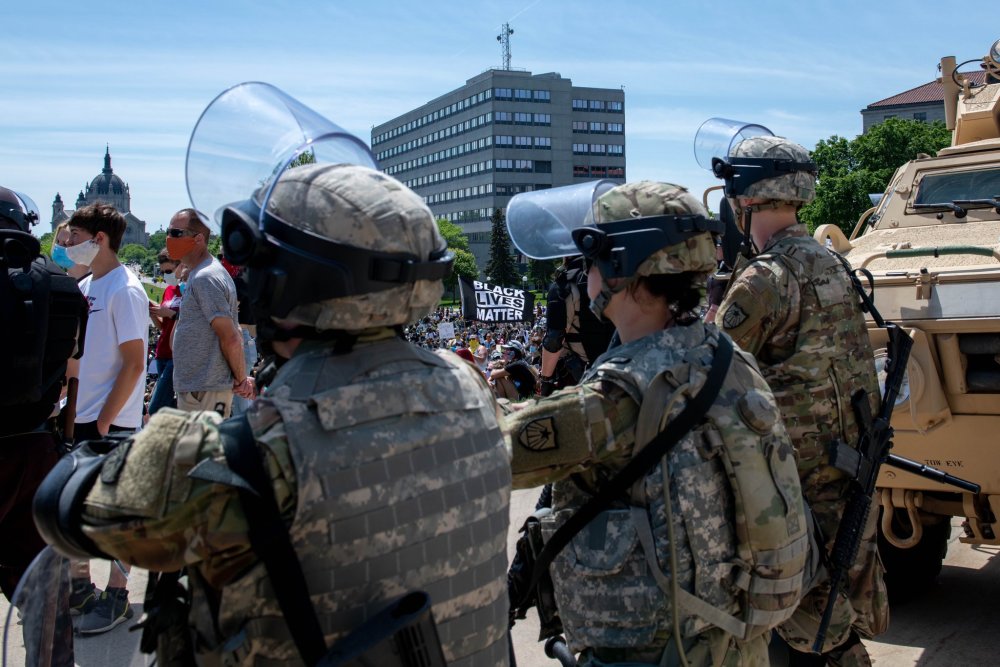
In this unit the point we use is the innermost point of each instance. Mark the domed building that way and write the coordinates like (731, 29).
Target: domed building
(109, 188)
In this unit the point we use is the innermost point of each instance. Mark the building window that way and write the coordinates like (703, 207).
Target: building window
(598, 149)
(599, 172)
(581, 171)
(543, 142)
(616, 128)
(522, 142)
(581, 149)
(597, 127)
(543, 167)
(616, 172)
(579, 126)
(921, 116)
(503, 94)
(596, 105)
(580, 105)
(541, 95)
(504, 117)
(522, 118)
(542, 119)
(503, 165)
(616, 149)
(524, 165)
(503, 140)
(522, 94)
(615, 107)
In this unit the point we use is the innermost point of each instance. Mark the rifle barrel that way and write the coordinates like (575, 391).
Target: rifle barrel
(930, 472)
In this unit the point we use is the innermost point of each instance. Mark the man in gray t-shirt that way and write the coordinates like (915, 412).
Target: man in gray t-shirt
(208, 348)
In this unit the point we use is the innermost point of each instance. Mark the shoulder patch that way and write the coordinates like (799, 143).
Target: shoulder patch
(538, 435)
(734, 316)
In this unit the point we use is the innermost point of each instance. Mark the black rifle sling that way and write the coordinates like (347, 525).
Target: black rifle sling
(270, 540)
(641, 463)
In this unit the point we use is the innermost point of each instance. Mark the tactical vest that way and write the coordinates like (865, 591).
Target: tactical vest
(403, 483)
(727, 497)
(585, 335)
(816, 362)
(42, 312)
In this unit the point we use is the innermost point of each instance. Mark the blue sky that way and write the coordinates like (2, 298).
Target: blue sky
(79, 75)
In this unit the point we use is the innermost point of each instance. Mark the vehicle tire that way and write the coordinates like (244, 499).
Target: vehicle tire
(909, 571)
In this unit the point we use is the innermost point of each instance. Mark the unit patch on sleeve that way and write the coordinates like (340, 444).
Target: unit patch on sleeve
(538, 435)
(733, 317)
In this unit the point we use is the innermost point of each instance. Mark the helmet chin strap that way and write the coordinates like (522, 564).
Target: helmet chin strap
(603, 298)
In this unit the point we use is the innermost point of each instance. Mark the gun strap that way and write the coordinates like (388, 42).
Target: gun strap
(641, 463)
(270, 540)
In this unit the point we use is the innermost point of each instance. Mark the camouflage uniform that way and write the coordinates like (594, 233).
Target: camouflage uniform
(589, 432)
(387, 462)
(794, 308)
(380, 499)
(682, 520)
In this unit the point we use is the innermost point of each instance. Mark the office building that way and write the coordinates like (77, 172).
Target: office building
(504, 132)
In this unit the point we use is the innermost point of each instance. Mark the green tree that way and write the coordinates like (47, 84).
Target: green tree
(501, 269)
(540, 272)
(134, 253)
(46, 242)
(452, 234)
(465, 266)
(157, 241)
(850, 169)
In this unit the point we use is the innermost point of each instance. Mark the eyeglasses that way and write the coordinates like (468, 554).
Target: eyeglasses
(176, 233)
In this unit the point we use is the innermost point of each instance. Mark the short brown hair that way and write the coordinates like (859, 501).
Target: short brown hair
(194, 222)
(101, 217)
(164, 258)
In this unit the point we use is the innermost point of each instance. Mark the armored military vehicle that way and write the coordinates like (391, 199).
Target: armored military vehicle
(932, 246)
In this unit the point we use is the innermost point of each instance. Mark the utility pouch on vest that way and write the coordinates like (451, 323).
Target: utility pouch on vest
(641, 463)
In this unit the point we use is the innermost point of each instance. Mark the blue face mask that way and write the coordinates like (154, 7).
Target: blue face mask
(60, 257)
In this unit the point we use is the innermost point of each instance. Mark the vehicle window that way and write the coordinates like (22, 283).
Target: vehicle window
(948, 187)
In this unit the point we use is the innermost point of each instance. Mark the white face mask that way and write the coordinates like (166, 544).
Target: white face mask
(170, 278)
(83, 253)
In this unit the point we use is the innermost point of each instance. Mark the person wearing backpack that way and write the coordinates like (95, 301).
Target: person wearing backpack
(43, 318)
(793, 306)
(678, 533)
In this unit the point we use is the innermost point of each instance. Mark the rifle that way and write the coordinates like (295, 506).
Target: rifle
(401, 635)
(862, 466)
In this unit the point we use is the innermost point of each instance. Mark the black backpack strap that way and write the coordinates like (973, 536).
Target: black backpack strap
(270, 540)
(641, 463)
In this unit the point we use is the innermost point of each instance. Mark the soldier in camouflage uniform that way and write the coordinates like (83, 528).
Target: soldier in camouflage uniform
(682, 522)
(793, 306)
(387, 461)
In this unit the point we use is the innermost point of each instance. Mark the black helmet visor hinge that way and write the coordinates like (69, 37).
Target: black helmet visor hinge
(740, 173)
(619, 247)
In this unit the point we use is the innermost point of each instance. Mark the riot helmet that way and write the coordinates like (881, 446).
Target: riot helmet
(17, 209)
(329, 242)
(645, 229)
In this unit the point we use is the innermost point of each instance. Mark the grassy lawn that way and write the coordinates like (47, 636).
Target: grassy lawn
(153, 292)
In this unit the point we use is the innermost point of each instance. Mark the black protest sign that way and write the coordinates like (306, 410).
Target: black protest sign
(483, 302)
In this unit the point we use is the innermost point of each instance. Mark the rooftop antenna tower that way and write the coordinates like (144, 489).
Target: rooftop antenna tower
(504, 38)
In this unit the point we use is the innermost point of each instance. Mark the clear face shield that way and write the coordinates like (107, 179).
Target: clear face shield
(248, 137)
(541, 223)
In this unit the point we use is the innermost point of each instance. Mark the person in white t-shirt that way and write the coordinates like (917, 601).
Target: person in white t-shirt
(111, 390)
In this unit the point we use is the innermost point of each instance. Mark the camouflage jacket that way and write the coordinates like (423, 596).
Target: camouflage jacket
(794, 308)
(608, 585)
(391, 472)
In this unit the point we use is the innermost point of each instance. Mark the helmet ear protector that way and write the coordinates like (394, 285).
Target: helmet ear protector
(740, 173)
(290, 266)
(618, 248)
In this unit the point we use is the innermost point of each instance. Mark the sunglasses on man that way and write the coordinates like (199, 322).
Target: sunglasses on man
(176, 233)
